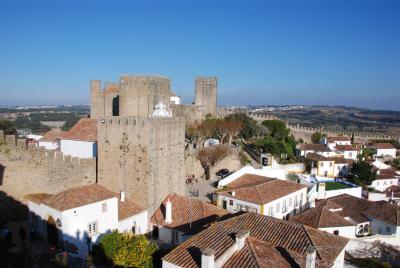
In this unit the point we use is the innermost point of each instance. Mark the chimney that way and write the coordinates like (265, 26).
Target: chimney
(311, 257)
(240, 239)
(168, 211)
(122, 196)
(232, 193)
(207, 258)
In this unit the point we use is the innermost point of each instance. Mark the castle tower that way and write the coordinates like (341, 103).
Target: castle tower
(206, 95)
(139, 94)
(96, 99)
(142, 156)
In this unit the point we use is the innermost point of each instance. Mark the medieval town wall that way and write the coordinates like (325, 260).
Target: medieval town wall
(28, 169)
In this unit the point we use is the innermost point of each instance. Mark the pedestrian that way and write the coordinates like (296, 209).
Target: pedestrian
(22, 233)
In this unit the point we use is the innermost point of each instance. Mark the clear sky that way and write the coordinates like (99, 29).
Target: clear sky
(336, 52)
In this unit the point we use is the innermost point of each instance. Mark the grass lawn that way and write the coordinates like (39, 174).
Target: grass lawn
(333, 185)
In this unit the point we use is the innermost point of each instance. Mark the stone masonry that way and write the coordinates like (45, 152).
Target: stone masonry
(206, 94)
(144, 157)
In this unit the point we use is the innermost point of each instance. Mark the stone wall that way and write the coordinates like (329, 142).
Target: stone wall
(143, 157)
(28, 169)
(206, 94)
(139, 94)
(305, 133)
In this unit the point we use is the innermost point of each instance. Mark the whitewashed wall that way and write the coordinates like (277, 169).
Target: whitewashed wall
(139, 220)
(81, 149)
(265, 171)
(48, 145)
(345, 231)
(384, 152)
(382, 185)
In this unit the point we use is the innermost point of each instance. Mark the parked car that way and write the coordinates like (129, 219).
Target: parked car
(222, 173)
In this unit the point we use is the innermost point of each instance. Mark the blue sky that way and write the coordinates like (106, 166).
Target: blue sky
(263, 52)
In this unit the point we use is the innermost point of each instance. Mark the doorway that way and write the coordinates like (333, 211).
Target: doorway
(52, 232)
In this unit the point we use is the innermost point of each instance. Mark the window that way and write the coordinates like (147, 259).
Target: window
(175, 237)
(330, 164)
(301, 198)
(270, 211)
(284, 207)
(277, 207)
(296, 202)
(322, 164)
(231, 202)
(336, 232)
(388, 229)
(338, 167)
(104, 207)
(92, 228)
(290, 202)
(155, 232)
(350, 154)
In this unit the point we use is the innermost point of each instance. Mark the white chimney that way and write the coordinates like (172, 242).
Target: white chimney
(168, 211)
(122, 196)
(312, 203)
(207, 258)
(311, 257)
(232, 193)
(240, 239)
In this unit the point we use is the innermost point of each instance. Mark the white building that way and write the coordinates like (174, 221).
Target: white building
(81, 140)
(384, 179)
(332, 142)
(342, 215)
(179, 217)
(77, 217)
(384, 149)
(319, 149)
(51, 140)
(346, 151)
(266, 196)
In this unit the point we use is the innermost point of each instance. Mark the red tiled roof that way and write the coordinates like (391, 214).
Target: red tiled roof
(321, 217)
(395, 189)
(345, 148)
(315, 147)
(382, 146)
(337, 160)
(186, 210)
(84, 130)
(293, 238)
(51, 135)
(262, 191)
(339, 138)
(84, 195)
(385, 212)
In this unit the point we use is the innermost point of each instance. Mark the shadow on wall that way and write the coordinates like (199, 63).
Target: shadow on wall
(2, 168)
(26, 240)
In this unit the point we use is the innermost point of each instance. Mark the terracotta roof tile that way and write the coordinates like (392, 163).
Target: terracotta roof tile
(385, 212)
(315, 147)
(186, 210)
(382, 146)
(294, 238)
(84, 130)
(85, 195)
(262, 191)
(321, 217)
(345, 148)
(52, 135)
(338, 138)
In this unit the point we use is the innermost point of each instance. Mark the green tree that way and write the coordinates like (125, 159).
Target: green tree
(277, 129)
(316, 137)
(361, 173)
(127, 249)
(8, 127)
(250, 128)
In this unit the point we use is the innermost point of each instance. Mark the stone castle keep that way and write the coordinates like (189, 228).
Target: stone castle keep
(142, 154)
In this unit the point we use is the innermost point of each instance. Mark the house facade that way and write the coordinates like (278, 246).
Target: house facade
(76, 218)
(384, 149)
(263, 195)
(81, 140)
